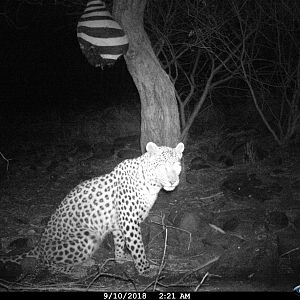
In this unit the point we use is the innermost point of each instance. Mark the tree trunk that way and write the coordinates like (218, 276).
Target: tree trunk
(159, 110)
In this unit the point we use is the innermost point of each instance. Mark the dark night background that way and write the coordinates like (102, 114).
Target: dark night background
(43, 70)
(44, 75)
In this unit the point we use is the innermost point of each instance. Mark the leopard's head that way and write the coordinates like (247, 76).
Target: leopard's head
(166, 164)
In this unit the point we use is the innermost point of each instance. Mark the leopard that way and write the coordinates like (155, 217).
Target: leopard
(117, 203)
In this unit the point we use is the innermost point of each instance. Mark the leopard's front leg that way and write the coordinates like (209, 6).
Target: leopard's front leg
(134, 243)
(120, 248)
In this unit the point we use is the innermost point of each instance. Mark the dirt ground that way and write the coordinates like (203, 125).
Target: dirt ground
(227, 227)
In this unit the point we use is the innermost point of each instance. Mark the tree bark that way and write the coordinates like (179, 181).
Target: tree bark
(159, 110)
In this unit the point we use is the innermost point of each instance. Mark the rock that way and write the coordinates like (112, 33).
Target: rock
(103, 150)
(19, 243)
(185, 235)
(231, 224)
(278, 219)
(83, 147)
(192, 178)
(190, 222)
(226, 160)
(248, 259)
(192, 228)
(198, 163)
(10, 271)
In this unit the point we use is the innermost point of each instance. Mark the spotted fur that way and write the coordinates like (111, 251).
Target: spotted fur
(116, 202)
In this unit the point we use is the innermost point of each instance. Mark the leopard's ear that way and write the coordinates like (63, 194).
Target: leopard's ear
(151, 148)
(180, 148)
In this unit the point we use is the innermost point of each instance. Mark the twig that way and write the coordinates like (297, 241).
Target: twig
(217, 228)
(72, 286)
(290, 251)
(201, 282)
(6, 159)
(61, 288)
(99, 273)
(212, 196)
(4, 286)
(179, 283)
(216, 258)
(162, 263)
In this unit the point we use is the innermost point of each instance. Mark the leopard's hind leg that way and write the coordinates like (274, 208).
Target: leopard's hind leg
(75, 250)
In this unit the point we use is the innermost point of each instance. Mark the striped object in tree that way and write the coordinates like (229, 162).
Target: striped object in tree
(101, 38)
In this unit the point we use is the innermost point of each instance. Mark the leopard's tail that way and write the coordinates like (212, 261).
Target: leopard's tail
(34, 253)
